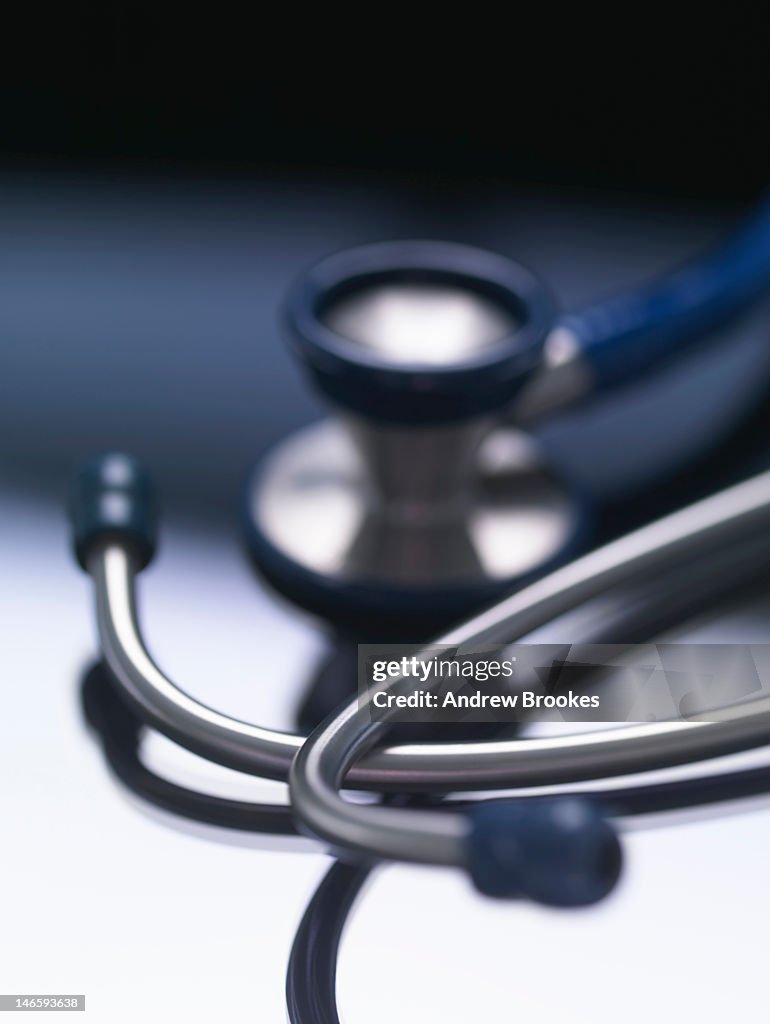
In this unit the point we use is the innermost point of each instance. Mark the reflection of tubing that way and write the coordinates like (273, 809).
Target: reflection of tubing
(624, 336)
(119, 730)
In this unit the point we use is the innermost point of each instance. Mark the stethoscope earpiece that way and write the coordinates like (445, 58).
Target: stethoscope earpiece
(113, 499)
(561, 852)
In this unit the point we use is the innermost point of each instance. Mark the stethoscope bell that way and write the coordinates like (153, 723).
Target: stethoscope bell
(418, 503)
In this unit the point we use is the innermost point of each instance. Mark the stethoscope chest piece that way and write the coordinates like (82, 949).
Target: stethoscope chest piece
(418, 503)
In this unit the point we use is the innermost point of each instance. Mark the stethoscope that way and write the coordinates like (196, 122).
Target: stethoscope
(559, 849)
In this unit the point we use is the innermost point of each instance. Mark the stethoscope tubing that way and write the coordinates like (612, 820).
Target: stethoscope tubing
(311, 976)
(621, 338)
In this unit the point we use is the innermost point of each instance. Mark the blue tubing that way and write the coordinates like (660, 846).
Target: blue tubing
(625, 336)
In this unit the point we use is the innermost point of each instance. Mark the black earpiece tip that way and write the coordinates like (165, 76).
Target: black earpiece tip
(560, 851)
(113, 498)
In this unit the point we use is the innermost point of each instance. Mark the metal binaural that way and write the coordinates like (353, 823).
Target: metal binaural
(710, 525)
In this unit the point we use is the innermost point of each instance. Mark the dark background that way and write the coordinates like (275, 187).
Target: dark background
(631, 100)
(166, 173)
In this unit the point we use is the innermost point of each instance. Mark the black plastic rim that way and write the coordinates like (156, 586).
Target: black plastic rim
(371, 385)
